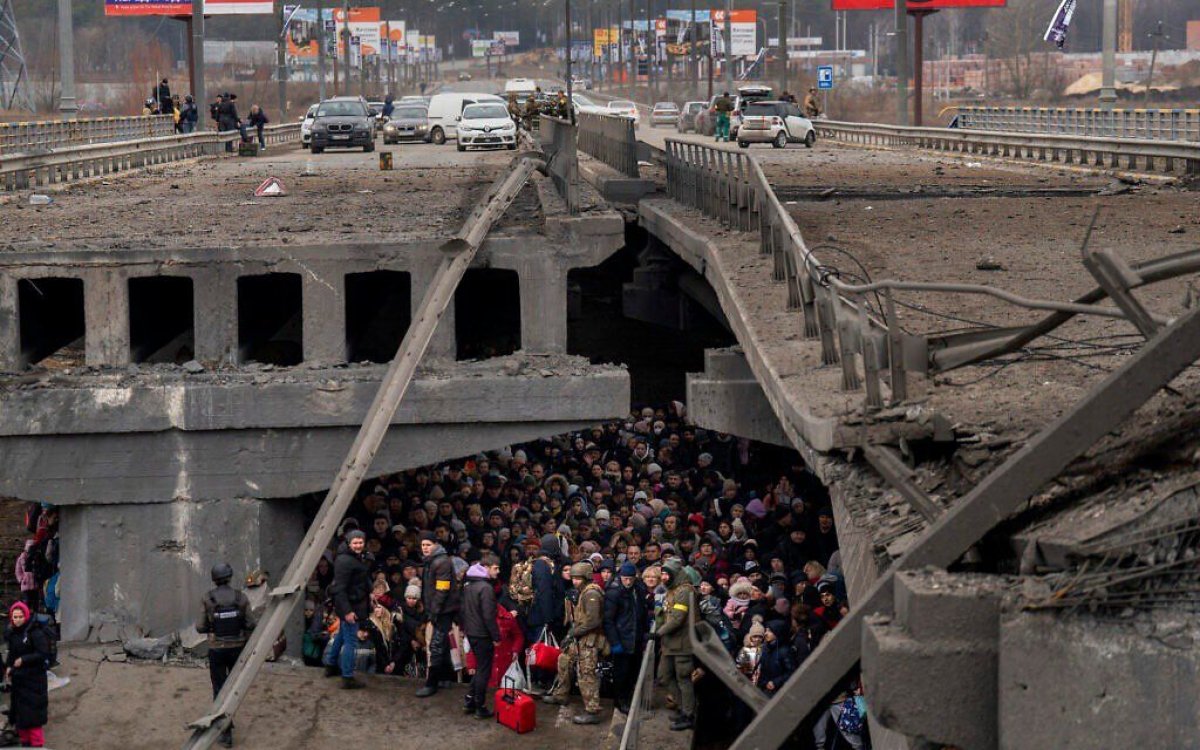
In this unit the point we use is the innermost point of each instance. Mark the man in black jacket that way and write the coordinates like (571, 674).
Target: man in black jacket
(624, 625)
(483, 632)
(442, 594)
(351, 591)
(546, 611)
(226, 617)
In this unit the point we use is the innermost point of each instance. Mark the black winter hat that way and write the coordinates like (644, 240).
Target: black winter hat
(428, 536)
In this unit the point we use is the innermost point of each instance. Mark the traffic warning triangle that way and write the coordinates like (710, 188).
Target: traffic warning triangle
(272, 187)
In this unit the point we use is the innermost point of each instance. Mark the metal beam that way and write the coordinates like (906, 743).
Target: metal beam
(891, 467)
(1156, 364)
(459, 252)
(1117, 278)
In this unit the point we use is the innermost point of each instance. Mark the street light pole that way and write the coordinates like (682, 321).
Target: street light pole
(570, 75)
(66, 59)
(902, 63)
(281, 60)
(199, 96)
(728, 45)
(1108, 85)
(783, 49)
(346, 45)
(321, 50)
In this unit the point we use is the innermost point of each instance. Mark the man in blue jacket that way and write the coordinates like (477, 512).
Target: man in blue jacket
(546, 611)
(625, 627)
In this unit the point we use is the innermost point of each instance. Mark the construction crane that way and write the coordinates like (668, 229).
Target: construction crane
(1125, 25)
(14, 78)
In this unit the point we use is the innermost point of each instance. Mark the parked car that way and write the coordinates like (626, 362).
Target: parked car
(687, 116)
(707, 121)
(625, 108)
(522, 87)
(664, 113)
(377, 108)
(464, 76)
(777, 123)
(306, 124)
(410, 122)
(486, 125)
(343, 122)
(446, 109)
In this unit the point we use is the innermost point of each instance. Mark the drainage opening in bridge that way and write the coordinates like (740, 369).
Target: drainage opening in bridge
(270, 320)
(487, 314)
(52, 320)
(378, 313)
(161, 319)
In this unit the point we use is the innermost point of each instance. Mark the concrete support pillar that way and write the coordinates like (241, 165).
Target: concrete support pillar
(727, 398)
(543, 290)
(106, 317)
(444, 344)
(216, 316)
(130, 568)
(10, 325)
(324, 314)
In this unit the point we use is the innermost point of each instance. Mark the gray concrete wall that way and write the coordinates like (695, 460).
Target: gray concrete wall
(148, 565)
(727, 398)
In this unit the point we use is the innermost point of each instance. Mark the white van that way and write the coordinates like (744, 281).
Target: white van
(522, 87)
(445, 109)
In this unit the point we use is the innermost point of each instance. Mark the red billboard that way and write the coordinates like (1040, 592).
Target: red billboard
(184, 7)
(916, 4)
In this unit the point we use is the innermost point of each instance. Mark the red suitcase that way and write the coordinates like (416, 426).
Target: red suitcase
(515, 710)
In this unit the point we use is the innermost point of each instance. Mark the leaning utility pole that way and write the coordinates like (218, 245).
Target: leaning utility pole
(902, 63)
(66, 60)
(1157, 36)
(199, 97)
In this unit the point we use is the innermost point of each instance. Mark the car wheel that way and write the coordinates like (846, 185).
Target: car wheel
(810, 139)
(318, 149)
(368, 148)
(461, 148)
(512, 147)
(438, 136)
(781, 140)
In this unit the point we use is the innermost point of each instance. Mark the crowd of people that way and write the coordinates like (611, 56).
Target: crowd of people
(222, 111)
(586, 547)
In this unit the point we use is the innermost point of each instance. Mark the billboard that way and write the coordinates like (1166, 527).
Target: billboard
(916, 4)
(302, 36)
(364, 23)
(184, 7)
(743, 25)
(511, 39)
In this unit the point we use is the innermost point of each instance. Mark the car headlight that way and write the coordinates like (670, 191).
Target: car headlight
(389, 128)
(318, 128)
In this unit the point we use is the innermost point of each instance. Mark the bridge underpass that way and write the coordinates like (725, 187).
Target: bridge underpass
(949, 443)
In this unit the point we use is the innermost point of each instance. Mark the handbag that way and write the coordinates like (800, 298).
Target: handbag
(544, 654)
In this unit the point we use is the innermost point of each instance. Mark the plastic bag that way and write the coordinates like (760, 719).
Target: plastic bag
(515, 677)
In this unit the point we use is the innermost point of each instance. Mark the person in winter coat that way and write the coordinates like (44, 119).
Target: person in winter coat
(25, 670)
(258, 121)
(441, 591)
(189, 115)
(26, 578)
(549, 591)
(512, 641)
(482, 630)
(351, 592)
(776, 665)
(624, 625)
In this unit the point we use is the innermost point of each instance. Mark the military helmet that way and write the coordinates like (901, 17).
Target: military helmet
(222, 573)
(582, 570)
(673, 567)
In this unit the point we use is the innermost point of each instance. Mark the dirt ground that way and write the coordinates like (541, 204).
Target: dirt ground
(346, 199)
(146, 706)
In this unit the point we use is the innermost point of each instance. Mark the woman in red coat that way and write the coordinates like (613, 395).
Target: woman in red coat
(512, 642)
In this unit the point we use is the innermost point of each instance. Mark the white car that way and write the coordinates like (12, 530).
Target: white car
(306, 124)
(584, 104)
(486, 126)
(776, 123)
(625, 108)
(664, 113)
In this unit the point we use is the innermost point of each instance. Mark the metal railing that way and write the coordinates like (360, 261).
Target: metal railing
(642, 705)
(1166, 157)
(610, 138)
(23, 137)
(557, 138)
(26, 171)
(1148, 124)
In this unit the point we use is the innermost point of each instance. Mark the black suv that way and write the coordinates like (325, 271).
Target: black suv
(343, 122)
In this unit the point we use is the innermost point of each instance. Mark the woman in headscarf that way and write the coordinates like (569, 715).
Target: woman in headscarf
(28, 657)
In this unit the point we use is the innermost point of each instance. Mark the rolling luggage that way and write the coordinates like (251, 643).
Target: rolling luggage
(515, 709)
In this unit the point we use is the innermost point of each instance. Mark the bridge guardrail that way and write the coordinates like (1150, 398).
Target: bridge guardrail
(642, 704)
(557, 137)
(1166, 157)
(610, 138)
(25, 171)
(22, 137)
(1148, 124)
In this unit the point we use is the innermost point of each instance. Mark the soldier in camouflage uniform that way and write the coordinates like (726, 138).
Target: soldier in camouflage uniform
(673, 630)
(585, 645)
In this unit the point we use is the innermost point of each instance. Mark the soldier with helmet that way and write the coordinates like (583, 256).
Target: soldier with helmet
(673, 631)
(226, 618)
(584, 646)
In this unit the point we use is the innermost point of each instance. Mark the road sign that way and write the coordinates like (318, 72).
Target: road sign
(825, 77)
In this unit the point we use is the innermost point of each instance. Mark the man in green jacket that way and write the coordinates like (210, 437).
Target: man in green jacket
(673, 629)
(585, 645)
(724, 108)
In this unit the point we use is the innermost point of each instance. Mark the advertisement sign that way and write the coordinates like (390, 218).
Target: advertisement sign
(603, 39)
(744, 30)
(302, 35)
(395, 32)
(916, 4)
(486, 48)
(363, 23)
(184, 7)
(511, 39)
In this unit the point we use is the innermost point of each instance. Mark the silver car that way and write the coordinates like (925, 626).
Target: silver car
(664, 113)
(409, 122)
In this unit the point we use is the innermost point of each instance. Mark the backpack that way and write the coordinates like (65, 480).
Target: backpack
(520, 583)
(851, 719)
(46, 624)
(724, 629)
